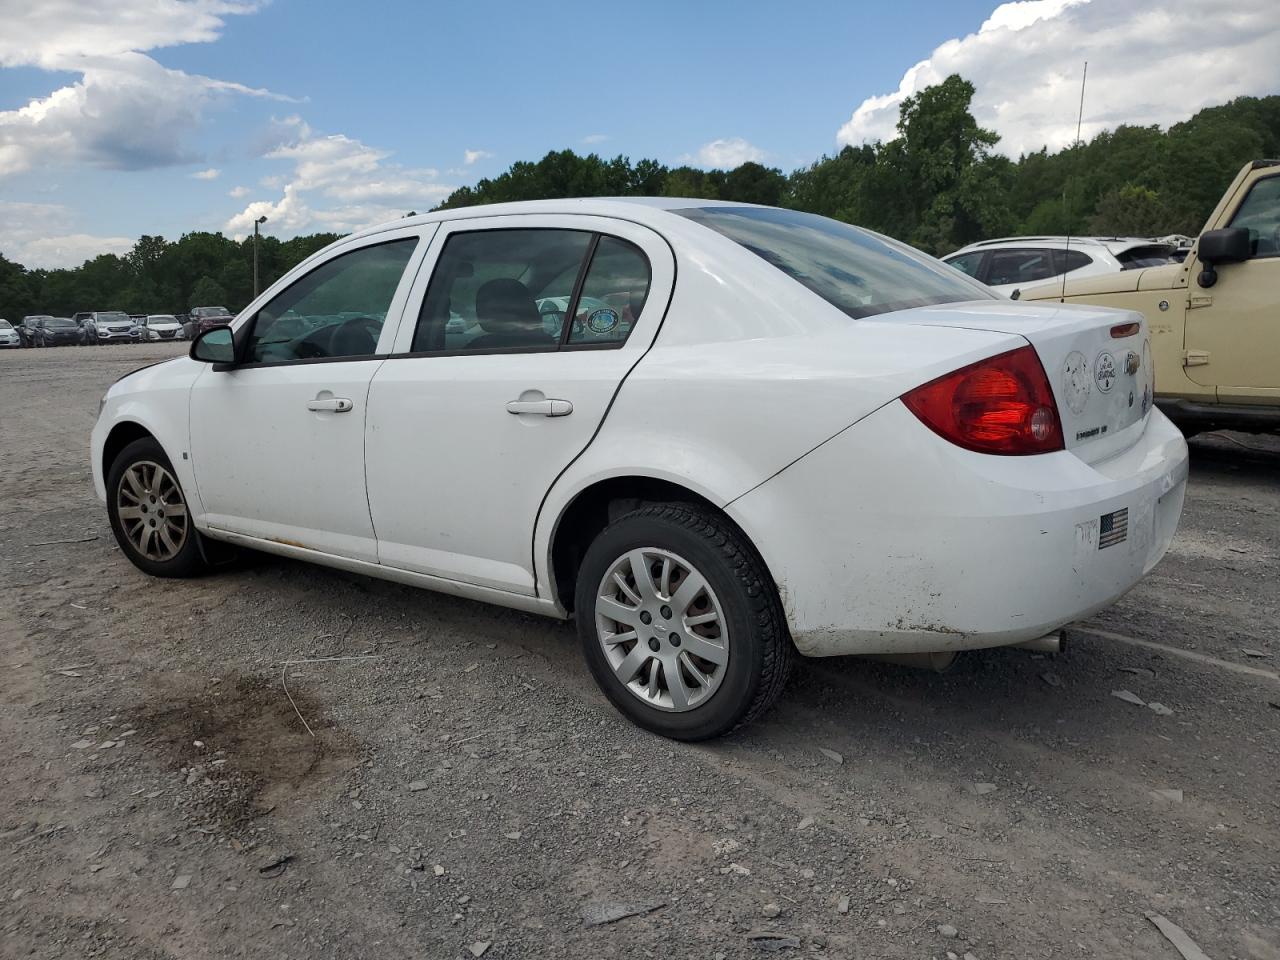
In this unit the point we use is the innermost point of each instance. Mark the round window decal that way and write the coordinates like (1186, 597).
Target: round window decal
(602, 320)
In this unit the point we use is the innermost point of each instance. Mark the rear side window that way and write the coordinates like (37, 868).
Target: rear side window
(1019, 266)
(1067, 260)
(613, 294)
(859, 272)
(1136, 258)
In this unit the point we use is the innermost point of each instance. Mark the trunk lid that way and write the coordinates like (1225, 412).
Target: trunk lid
(1098, 362)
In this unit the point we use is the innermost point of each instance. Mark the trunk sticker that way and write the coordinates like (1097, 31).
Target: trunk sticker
(1105, 371)
(1113, 528)
(1076, 382)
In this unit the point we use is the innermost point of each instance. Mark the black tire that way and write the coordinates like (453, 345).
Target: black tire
(760, 647)
(189, 561)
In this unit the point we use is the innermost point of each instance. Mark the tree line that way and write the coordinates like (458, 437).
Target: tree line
(938, 185)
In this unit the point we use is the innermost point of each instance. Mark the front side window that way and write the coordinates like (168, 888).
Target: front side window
(336, 310)
(1019, 266)
(1260, 215)
(857, 271)
(966, 263)
(500, 290)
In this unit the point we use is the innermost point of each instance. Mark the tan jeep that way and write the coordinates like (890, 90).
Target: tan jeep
(1215, 317)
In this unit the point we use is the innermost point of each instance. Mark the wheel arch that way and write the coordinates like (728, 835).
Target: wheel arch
(597, 504)
(121, 435)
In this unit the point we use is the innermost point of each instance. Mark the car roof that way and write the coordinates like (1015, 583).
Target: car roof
(1113, 245)
(646, 210)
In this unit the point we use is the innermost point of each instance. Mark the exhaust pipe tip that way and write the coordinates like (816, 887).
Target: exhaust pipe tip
(1055, 642)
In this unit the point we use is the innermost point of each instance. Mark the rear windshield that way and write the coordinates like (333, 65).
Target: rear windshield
(860, 272)
(58, 322)
(209, 312)
(1156, 255)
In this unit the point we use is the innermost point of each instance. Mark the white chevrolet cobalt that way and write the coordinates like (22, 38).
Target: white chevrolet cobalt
(712, 434)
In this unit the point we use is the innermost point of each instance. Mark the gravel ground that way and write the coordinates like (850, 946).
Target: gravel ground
(468, 792)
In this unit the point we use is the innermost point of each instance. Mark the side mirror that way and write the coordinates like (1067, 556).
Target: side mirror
(215, 345)
(1221, 246)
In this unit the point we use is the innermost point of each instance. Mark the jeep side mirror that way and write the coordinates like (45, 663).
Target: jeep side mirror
(215, 345)
(1230, 245)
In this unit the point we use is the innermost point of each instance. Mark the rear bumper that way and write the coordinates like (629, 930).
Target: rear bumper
(887, 539)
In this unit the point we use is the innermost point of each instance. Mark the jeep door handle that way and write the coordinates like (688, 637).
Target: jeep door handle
(545, 408)
(331, 405)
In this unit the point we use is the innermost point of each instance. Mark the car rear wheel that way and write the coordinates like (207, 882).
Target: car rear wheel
(149, 513)
(680, 622)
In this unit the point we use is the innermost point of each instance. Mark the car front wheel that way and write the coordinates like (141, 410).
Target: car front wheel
(149, 513)
(680, 622)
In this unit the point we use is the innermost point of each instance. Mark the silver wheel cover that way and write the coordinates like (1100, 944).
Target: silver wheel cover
(152, 512)
(662, 629)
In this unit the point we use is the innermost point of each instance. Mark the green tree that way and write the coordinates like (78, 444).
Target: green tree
(207, 292)
(1129, 211)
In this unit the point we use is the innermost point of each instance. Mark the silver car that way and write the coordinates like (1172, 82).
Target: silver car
(9, 338)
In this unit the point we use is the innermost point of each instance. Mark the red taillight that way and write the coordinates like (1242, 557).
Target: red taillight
(999, 405)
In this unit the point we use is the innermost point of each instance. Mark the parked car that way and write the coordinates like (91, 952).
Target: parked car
(27, 329)
(781, 433)
(1023, 263)
(109, 326)
(163, 326)
(1214, 316)
(57, 332)
(9, 337)
(202, 318)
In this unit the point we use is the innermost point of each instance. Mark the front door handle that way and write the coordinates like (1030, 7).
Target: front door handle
(330, 405)
(545, 408)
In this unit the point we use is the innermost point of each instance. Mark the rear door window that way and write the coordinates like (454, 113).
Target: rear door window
(1019, 266)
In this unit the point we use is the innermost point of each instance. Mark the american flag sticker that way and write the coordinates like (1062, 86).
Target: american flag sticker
(1113, 528)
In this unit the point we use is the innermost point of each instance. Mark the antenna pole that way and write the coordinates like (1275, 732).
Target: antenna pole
(1079, 121)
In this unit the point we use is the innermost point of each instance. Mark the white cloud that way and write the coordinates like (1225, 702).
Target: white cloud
(725, 154)
(238, 193)
(471, 156)
(595, 138)
(211, 174)
(125, 111)
(1150, 62)
(44, 235)
(339, 184)
(51, 33)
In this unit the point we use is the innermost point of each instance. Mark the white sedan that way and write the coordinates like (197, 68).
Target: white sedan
(163, 326)
(763, 432)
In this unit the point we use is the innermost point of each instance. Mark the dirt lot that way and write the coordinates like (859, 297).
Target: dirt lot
(466, 785)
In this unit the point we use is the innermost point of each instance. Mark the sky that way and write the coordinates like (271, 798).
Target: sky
(165, 116)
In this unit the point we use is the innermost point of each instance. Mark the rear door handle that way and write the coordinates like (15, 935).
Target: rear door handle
(331, 405)
(545, 408)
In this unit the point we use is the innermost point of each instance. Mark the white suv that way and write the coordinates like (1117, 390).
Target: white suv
(1018, 263)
